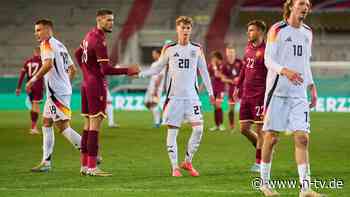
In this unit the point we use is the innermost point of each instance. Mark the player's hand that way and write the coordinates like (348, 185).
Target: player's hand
(29, 86)
(236, 80)
(293, 76)
(134, 70)
(235, 94)
(212, 100)
(18, 92)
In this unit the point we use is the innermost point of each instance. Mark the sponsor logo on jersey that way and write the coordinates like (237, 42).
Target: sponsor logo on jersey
(193, 53)
(176, 55)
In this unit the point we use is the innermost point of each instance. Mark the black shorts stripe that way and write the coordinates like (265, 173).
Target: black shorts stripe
(269, 95)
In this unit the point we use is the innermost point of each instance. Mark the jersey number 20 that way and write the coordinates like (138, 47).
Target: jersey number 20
(184, 63)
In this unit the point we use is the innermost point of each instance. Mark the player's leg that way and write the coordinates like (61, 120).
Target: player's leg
(231, 112)
(83, 147)
(246, 118)
(259, 143)
(110, 111)
(156, 111)
(173, 117)
(48, 145)
(69, 133)
(218, 113)
(34, 115)
(194, 115)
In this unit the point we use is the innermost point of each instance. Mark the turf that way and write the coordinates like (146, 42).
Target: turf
(136, 155)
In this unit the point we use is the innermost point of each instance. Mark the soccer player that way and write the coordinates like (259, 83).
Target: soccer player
(30, 68)
(154, 92)
(287, 58)
(94, 62)
(184, 58)
(231, 72)
(58, 70)
(216, 70)
(252, 83)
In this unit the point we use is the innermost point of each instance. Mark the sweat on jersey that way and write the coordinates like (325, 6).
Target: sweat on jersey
(183, 60)
(288, 47)
(57, 79)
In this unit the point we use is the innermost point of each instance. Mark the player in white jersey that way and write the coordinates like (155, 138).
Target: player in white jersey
(57, 69)
(154, 92)
(110, 111)
(287, 58)
(184, 59)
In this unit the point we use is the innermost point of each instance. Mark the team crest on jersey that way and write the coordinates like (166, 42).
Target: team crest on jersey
(234, 72)
(104, 43)
(193, 53)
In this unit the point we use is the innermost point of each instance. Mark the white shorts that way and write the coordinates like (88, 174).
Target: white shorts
(177, 111)
(287, 114)
(57, 108)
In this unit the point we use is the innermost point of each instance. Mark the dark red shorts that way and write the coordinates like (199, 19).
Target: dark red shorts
(251, 110)
(93, 99)
(231, 90)
(36, 95)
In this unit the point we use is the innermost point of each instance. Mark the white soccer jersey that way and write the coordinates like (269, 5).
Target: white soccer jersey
(57, 79)
(184, 61)
(291, 48)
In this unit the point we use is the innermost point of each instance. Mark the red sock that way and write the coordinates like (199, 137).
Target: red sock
(220, 116)
(231, 117)
(34, 117)
(84, 149)
(92, 146)
(216, 117)
(258, 156)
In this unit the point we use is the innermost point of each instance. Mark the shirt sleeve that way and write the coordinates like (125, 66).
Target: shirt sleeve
(271, 51)
(22, 73)
(156, 66)
(203, 70)
(46, 50)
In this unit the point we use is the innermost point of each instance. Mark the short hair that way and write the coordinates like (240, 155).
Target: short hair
(103, 12)
(186, 20)
(259, 24)
(217, 54)
(157, 51)
(45, 22)
(230, 46)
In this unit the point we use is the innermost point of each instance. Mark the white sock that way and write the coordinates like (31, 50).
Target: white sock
(194, 142)
(110, 114)
(172, 146)
(73, 137)
(156, 114)
(48, 143)
(265, 172)
(304, 176)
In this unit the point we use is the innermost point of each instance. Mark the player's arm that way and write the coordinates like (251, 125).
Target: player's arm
(157, 83)
(271, 54)
(239, 81)
(310, 83)
(22, 74)
(72, 69)
(203, 70)
(78, 55)
(157, 66)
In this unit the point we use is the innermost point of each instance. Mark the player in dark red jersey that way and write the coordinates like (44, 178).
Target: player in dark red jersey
(252, 83)
(31, 66)
(94, 63)
(216, 71)
(232, 69)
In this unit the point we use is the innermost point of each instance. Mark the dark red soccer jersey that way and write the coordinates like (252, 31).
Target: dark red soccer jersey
(30, 68)
(232, 71)
(253, 74)
(216, 80)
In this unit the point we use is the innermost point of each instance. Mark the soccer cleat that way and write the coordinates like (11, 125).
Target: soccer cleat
(268, 191)
(42, 167)
(255, 168)
(34, 132)
(222, 128)
(215, 128)
(83, 171)
(98, 160)
(310, 193)
(98, 172)
(188, 167)
(176, 173)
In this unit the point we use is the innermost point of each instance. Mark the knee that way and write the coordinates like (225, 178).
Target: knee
(62, 125)
(271, 139)
(244, 129)
(47, 122)
(302, 140)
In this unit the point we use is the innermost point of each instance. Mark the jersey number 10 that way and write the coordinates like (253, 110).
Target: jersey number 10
(298, 50)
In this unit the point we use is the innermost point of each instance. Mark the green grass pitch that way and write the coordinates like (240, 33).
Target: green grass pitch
(137, 157)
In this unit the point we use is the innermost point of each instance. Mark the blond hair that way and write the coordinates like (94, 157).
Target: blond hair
(186, 20)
